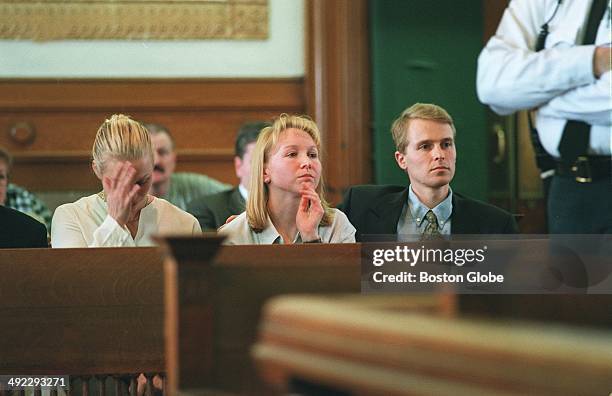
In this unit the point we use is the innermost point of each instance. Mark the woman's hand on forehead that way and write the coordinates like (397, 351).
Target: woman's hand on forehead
(120, 189)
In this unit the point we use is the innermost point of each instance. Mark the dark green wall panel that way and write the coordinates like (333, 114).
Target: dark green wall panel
(426, 51)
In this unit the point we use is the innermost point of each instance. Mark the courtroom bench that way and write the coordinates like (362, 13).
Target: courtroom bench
(89, 313)
(365, 346)
(213, 310)
(99, 312)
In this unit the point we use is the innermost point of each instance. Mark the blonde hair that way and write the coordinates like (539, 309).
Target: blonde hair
(424, 111)
(120, 137)
(257, 203)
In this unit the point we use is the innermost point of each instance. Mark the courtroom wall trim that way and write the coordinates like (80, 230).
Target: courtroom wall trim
(49, 125)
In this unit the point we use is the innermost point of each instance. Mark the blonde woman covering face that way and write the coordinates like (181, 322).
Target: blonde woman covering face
(123, 213)
(286, 199)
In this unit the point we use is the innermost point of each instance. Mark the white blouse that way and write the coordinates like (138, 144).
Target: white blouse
(86, 223)
(239, 232)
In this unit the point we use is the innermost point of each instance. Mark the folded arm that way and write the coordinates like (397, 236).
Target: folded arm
(590, 103)
(512, 76)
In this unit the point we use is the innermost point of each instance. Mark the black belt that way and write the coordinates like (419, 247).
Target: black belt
(587, 169)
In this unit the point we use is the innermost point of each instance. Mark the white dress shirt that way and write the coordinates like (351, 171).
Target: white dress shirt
(239, 232)
(558, 80)
(86, 223)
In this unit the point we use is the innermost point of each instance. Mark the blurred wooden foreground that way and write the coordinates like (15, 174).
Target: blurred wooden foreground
(104, 312)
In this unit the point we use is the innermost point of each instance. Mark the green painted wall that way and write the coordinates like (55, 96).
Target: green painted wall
(426, 51)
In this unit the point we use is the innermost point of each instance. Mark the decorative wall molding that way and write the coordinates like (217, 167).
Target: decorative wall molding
(133, 19)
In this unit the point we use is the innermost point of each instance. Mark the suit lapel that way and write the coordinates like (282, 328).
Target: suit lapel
(462, 221)
(236, 202)
(383, 217)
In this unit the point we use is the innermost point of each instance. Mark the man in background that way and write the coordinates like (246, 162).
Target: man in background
(15, 197)
(181, 187)
(424, 136)
(212, 211)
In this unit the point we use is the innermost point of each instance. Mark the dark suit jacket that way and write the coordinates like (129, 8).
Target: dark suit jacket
(376, 210)
(212, 210)
(18, 230)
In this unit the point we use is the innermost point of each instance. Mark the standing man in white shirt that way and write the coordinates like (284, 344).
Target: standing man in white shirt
(554, 56)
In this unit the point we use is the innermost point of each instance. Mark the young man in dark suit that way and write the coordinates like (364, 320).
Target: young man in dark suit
(213, 210)
(18, 230)
(424, 137)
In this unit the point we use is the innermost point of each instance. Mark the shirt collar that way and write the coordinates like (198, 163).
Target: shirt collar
(442, 211)
(243, 191)
(270, 236)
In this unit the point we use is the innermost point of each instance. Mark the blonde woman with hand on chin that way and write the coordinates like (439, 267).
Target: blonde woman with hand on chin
(286, 201)
(123, 213)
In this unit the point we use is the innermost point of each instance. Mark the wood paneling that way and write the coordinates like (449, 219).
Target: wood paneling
(115, 94)
(213, 311)
(492, 11)
(81, 311)
(202, 114)
(100, 310)
(337, 86)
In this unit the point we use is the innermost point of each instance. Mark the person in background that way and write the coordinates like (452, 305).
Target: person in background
(555, 57)
(213, 210)
(18, 198)
(286, 202)
(18, 230)
(123, 213)
(178, 188)
(424, 136)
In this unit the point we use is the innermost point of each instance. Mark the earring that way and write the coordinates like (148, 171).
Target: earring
(266, 180)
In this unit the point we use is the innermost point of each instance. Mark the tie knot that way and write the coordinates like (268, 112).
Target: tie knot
(432, 230)
(431, 218)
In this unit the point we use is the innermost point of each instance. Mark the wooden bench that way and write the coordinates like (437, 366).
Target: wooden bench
(213, 310)
(385, 346)
(97, 312)
(82, 312)
(100, 312)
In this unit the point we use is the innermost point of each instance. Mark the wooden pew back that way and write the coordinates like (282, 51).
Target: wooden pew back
(81, 311)
(367, 346)
(213, 310)
(94, 312)
(101, 311)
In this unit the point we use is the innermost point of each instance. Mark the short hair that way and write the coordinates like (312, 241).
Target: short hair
(8, 158)
(247, 134)
(122, 138)
(423, 111)
(155, 128)
(257, 202)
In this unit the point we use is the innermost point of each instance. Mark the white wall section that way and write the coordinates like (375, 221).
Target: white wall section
(281, 55)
